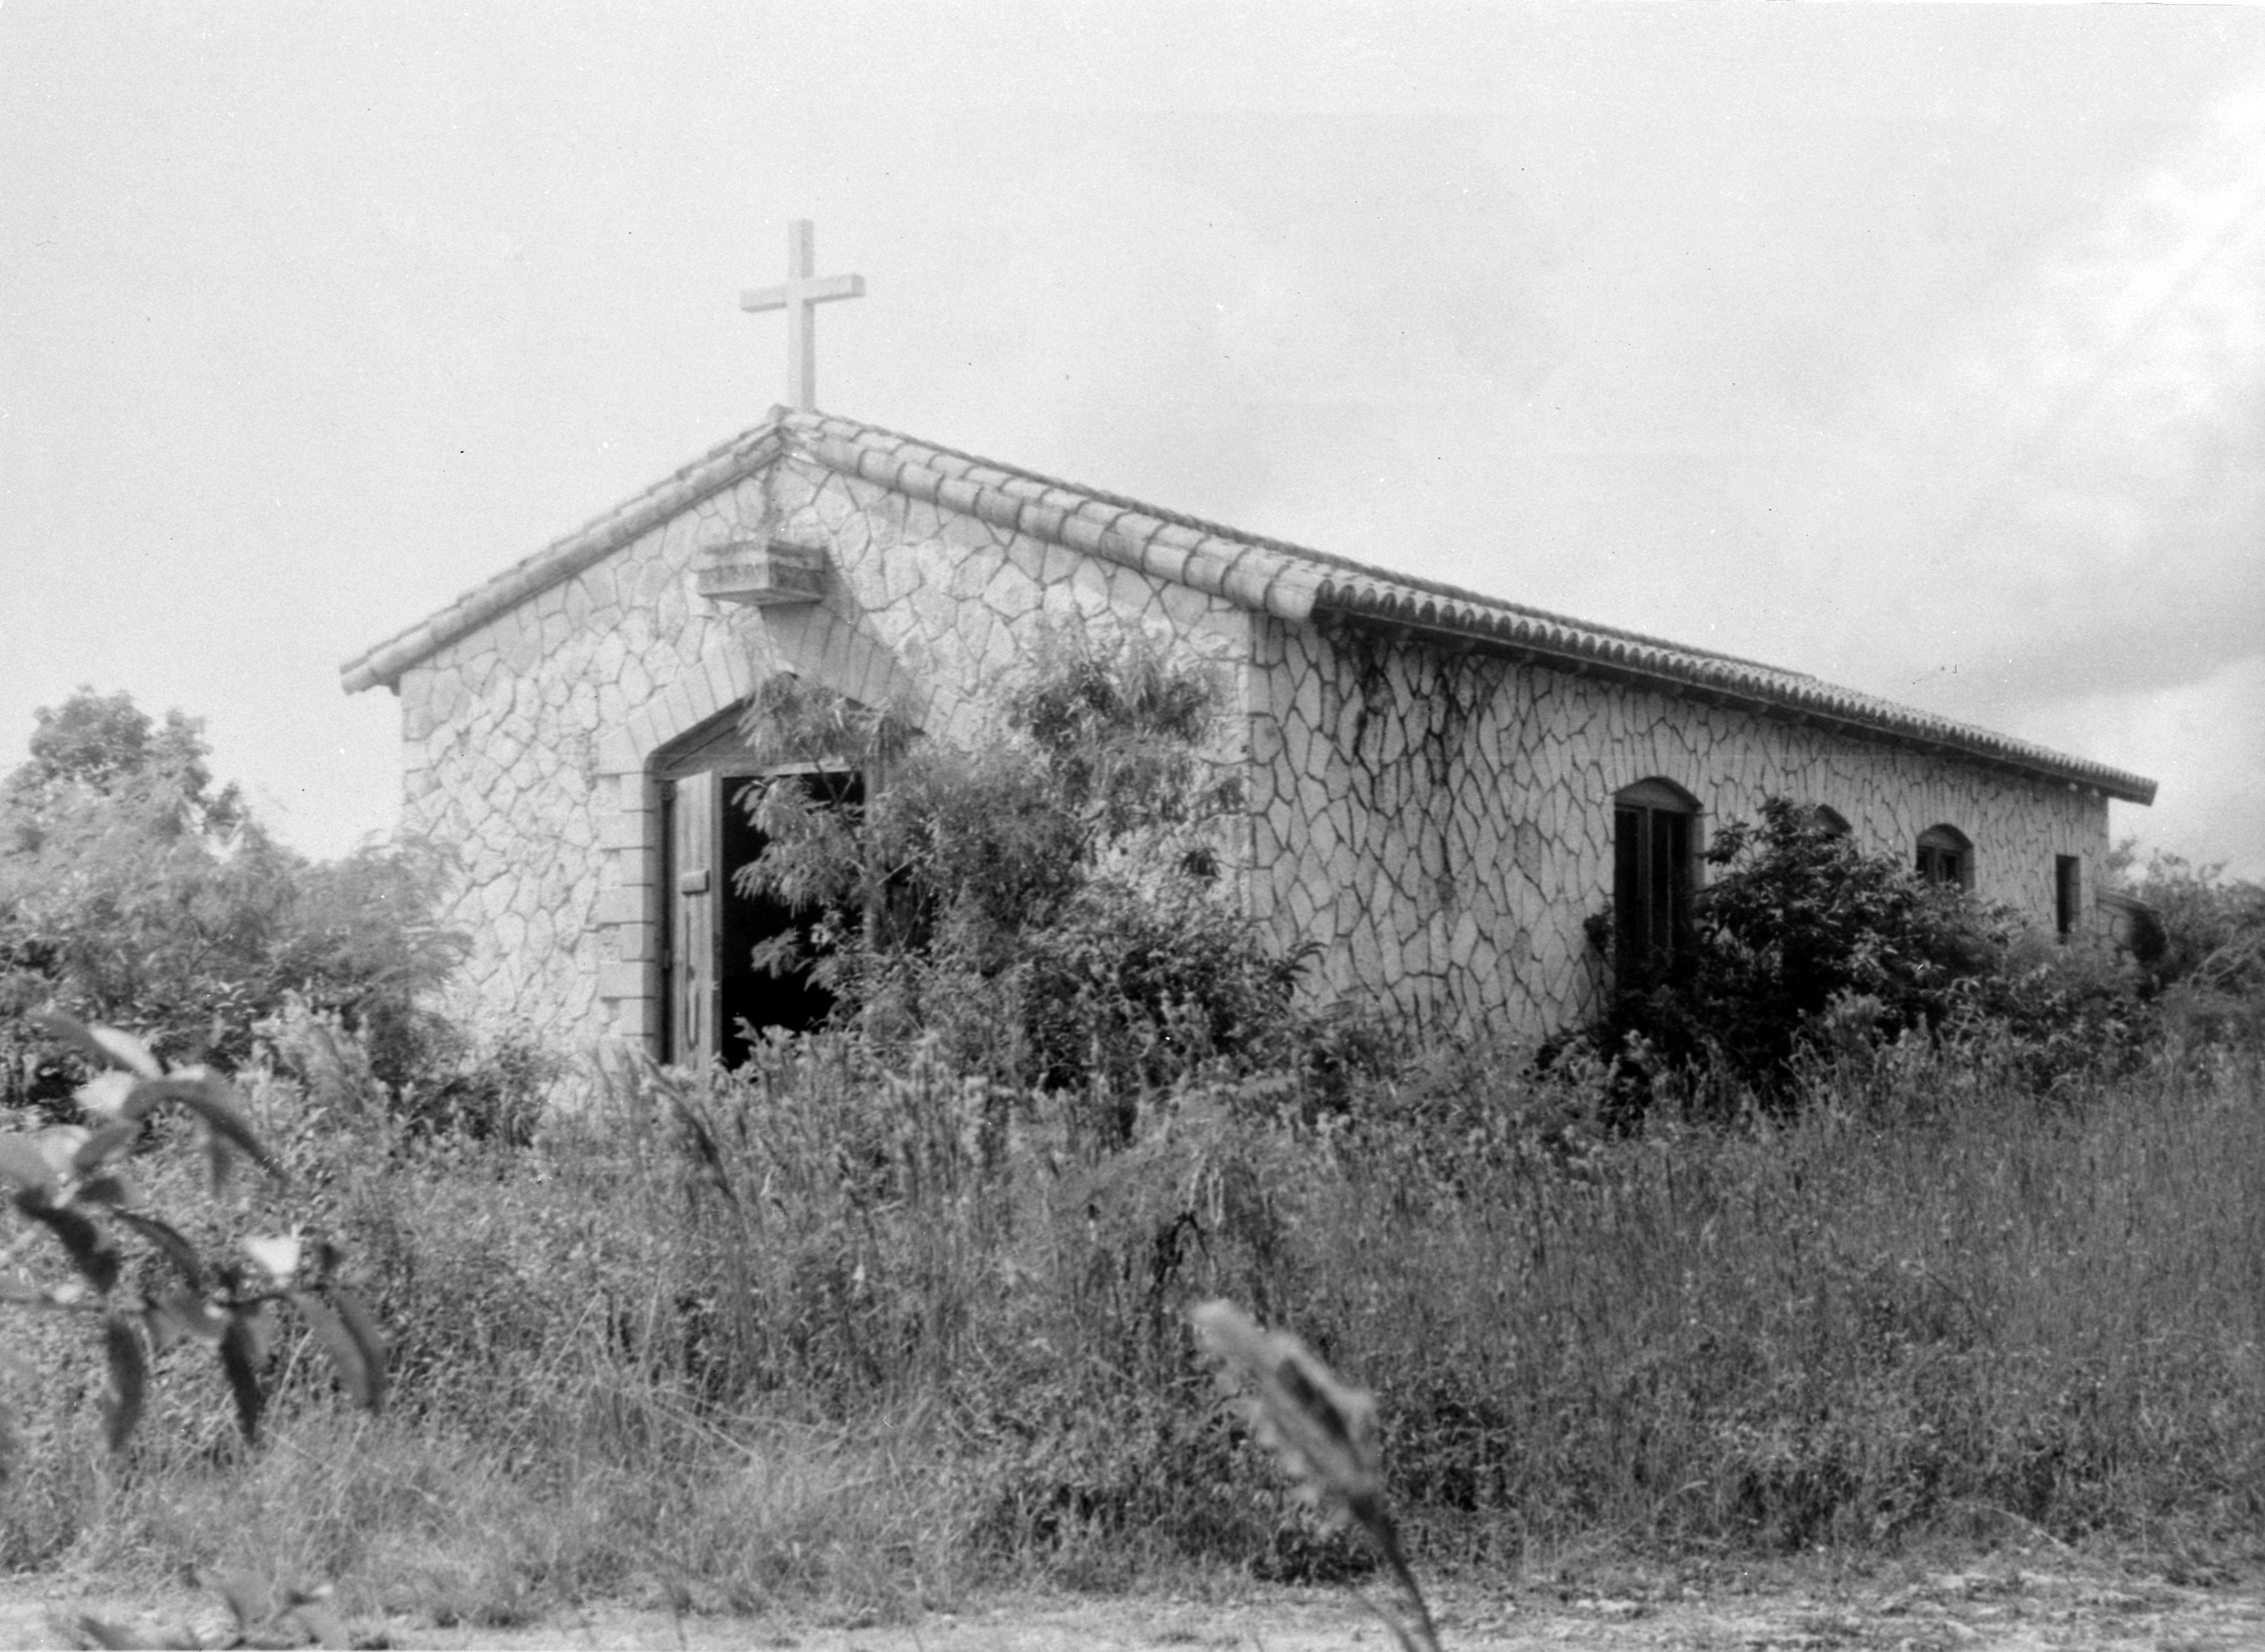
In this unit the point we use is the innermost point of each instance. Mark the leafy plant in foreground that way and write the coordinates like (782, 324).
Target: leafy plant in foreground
(132, 887)
(1324, 1432)
(70, 1182)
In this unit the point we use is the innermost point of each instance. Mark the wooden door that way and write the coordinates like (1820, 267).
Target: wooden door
(696, 892)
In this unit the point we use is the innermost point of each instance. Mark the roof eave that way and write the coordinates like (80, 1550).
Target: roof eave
(1289, 582)
(563, 558)
(1573, 655)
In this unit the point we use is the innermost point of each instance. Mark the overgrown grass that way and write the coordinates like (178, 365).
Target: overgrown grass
(857, 1338)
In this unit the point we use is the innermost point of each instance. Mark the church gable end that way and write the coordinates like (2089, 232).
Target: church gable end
(536, 735)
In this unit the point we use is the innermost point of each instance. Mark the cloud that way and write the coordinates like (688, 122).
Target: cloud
(2201, 738)
(2072, 472)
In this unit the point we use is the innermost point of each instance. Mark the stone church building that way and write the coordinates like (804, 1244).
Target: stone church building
(1443, 787)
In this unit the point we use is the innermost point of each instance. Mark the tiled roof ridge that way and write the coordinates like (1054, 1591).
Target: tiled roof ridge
(857, 430)
(1380, 594)
(1292, 581)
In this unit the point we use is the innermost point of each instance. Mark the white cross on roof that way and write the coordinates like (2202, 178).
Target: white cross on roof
(800, 297)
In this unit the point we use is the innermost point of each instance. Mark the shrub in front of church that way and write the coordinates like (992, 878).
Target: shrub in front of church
(1803, 953)
(2207, 970)
(134, 892)
(1046, 905)
(1796, 929)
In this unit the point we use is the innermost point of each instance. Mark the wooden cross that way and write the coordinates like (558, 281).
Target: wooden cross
(800, 298)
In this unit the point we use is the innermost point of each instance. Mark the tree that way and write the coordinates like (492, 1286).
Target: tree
(133, 892)
(2208, 967)
(2213, 927)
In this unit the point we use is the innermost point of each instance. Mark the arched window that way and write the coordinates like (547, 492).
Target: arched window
(1946, 856)
(1830, 821)
(1654, 849)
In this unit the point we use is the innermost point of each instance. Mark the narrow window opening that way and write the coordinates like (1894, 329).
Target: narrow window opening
(2068, 894)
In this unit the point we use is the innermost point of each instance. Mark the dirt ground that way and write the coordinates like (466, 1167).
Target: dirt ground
(2029, 1602)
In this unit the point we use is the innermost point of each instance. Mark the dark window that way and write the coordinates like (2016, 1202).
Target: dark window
(1653, 858)
(2068, 894)
(1945, 857)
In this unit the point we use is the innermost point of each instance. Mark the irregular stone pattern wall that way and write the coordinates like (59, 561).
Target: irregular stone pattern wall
(529, 743)
(1442, 825)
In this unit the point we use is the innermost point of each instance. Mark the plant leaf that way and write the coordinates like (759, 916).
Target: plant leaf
(59, 1146)
(110, 1192)
(127, 1050)
(92, 1251)
(1322, 1429)
(105, 1046)
(168, 1238)
(239, 1359)
(108, 1094)
(187, 1313)
(22, 1163)
(362, 1376)
(277, 1254)
(260, 1326)
(130, 1380)
(210, 1099)
(361, 1325)
(101, 1143)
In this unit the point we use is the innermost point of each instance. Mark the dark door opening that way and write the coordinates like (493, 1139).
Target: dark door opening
(714, 987)
(756, 998)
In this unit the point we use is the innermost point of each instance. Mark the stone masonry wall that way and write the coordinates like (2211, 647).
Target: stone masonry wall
(529, 742)
(1442, 824)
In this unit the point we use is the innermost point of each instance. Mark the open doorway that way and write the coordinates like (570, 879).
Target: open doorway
(714, 989)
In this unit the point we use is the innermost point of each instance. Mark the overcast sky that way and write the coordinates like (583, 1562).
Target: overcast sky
(1919, 348)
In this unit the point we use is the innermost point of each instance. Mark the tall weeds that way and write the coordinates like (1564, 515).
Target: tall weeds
(864, 1332)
